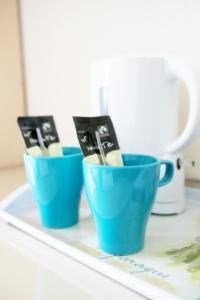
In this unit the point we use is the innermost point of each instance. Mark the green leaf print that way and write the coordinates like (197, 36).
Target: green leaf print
(189, 255)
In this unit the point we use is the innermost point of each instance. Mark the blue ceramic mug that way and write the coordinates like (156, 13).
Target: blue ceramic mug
(121, 199)
(56, 183)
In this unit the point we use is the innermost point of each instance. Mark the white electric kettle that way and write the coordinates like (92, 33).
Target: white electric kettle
(141, 96)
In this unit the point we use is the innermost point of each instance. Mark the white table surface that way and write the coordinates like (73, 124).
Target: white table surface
(30, 270)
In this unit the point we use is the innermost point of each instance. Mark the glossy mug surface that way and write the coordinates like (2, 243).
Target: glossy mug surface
(121, 199)
(56, 183)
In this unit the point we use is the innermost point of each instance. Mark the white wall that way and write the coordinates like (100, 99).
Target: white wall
(61, 38)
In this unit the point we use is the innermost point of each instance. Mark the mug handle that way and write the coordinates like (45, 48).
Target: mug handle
(169, 172)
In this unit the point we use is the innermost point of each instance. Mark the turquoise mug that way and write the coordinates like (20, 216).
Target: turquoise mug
(121, 200)
(56, 183)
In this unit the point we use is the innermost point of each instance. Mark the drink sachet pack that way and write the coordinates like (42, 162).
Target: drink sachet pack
(98, 140)
(40, 135)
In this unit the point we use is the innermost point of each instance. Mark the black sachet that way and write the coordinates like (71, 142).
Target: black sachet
(40, 135)
(98, 140)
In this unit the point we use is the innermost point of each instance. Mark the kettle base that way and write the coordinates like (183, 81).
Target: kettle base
(167, 209)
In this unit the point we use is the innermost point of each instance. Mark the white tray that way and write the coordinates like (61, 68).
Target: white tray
(153, 272)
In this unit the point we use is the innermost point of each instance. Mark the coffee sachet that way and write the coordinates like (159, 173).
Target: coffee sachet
(40, 135)
(98, 140)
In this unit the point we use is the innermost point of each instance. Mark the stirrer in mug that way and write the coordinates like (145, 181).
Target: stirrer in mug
(100, 148)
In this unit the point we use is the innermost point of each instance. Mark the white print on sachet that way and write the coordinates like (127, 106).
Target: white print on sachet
(33, 141)
(84, 139)
(49, 138)
(107, 144)
(27, 134)
(91, 148)
(104, 145)
(46, 127)
(103, 130)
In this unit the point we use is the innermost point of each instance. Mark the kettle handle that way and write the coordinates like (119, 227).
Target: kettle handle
(178, 71)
